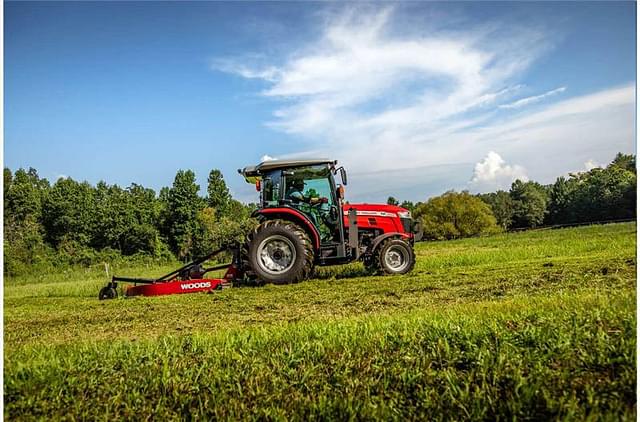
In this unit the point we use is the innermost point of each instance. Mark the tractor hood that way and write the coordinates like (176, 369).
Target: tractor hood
(382, 209)
(400, 217)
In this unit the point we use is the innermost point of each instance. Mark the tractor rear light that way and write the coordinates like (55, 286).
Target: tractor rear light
(404, 214)
(258, 185)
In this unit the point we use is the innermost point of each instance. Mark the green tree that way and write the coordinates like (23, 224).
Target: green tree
(23, 232)
(183, 205)
(72, 222)
(408, 205)
(143, 234)
(239, 210)
(455, 215)
(108, 217)
(560, 198)
(25, 194)
(213, 231)
(8, 177)
(68, 213)
(625, 162)
(502, 207)
(392, 201)
(600, 194)
(604, 194)
(23, 245)
(530, 204)
(218, 193)
(125, 220)
(162, 210)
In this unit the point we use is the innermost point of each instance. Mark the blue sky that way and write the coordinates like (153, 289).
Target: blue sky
(414, 98)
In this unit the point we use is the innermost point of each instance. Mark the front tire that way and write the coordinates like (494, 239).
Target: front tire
(392, 257)
(279, 252)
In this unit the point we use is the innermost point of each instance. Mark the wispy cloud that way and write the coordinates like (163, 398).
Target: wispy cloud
(394, 105)
(533, 99)
(268, 73)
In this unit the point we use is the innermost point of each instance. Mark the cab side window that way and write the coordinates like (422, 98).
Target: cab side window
(267, 192)
(318, 188)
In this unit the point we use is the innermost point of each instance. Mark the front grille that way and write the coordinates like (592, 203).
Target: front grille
(406, 224)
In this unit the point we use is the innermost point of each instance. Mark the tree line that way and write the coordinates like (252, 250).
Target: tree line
(600, 194)
(71, 222)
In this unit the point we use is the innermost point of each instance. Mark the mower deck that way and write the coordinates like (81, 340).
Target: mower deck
(186, 279)
(176, 287)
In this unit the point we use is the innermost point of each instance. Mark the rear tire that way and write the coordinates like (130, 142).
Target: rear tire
(278, 252)
(392, 257)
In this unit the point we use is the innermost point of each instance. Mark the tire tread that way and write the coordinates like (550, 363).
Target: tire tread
(294, 229)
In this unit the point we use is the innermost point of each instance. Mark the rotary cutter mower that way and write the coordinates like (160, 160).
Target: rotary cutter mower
(189, 278)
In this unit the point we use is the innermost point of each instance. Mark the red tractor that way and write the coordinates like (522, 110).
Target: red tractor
(304, 221)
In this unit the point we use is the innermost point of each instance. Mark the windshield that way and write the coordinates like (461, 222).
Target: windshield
(311, 182)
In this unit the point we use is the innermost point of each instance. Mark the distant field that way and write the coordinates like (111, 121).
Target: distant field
(532, 325)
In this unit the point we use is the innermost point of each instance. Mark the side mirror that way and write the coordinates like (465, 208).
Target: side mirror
(343, 175)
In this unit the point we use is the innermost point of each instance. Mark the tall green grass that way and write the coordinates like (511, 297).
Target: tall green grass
(533, 325)
(561, 359)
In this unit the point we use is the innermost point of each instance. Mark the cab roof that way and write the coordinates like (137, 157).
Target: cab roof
(265, 166)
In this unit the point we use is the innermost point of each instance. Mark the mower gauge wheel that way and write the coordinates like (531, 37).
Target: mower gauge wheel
(107, 293)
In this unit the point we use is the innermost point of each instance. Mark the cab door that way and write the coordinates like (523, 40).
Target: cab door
(311, 191)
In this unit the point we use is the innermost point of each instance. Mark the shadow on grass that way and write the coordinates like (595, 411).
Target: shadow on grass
(353, 270)
(336, 272)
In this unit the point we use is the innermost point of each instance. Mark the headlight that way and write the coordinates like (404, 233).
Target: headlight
(404, 214)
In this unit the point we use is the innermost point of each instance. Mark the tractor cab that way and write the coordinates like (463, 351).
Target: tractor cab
(307, 186)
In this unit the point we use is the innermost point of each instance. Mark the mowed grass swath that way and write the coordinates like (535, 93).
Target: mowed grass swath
(534, 325)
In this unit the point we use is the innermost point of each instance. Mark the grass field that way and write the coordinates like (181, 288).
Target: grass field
(532, 325)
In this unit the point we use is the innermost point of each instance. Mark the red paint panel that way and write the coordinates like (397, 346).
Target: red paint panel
(376, 207)
(175, 287)
(384, 221)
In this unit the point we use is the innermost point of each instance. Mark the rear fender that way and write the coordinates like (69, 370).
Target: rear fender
(294, 216)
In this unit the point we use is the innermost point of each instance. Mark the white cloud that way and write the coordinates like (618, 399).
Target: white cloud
(591, 164)
(493, 173)
(534, 99)
(384, 102)
(268, 73)
(266, 158)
